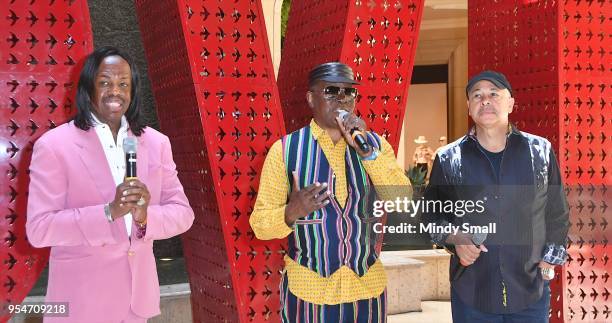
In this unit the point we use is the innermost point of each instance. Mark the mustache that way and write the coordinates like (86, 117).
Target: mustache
(486, 110)
(344, 101)
(342, 105)
(113, 97)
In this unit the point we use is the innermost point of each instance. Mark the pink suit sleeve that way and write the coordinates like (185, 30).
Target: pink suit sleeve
(173, 215)
(48, 222)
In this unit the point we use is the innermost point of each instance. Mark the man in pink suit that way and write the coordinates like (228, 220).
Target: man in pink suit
(100, 225)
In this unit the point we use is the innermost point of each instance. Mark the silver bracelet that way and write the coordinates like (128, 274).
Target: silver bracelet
(548, 273)
(107, 212)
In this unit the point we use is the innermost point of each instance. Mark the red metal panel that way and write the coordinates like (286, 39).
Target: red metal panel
(315, 35)
(555, 56)
(376, 38)
(585, 119)
(214, 86)
(381, 45)
(179, 115)
(40, 50)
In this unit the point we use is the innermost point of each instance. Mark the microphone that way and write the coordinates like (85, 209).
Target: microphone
(129, 147)
(356, 134)
(477, 239)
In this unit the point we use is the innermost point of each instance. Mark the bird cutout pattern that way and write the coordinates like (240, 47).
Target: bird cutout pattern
(42, 42)
(556, 58)
(217, 99)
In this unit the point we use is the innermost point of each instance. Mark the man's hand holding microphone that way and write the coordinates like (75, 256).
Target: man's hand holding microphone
(128, 198)
(353, 130)
(468, 248)
(131, 196)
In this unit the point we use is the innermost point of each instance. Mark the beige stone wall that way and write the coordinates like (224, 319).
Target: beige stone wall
(426, 115)
(272, 16)
(457, 78)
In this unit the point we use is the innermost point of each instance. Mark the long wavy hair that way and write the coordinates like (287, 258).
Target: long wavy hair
(85, 90)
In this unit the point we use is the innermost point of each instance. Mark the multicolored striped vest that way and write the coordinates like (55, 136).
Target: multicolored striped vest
(335, 235)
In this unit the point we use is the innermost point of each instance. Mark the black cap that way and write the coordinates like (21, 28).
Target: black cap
(334, 72)
(496, 78)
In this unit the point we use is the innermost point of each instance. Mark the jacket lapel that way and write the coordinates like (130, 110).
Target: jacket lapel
(142, 159)
(94, 161)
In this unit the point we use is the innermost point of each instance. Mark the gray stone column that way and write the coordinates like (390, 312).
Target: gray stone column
(114, 23)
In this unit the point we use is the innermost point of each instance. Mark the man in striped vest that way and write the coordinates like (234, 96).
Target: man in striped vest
(314, 189)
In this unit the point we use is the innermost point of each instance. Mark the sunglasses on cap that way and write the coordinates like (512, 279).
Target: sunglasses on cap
(332, 92)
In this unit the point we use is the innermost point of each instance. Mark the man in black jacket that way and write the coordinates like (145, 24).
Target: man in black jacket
(516, 177)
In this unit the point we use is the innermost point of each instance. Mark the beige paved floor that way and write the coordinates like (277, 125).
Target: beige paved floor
(433, 312)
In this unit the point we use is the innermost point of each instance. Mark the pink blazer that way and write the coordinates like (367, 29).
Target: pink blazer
(93, 265)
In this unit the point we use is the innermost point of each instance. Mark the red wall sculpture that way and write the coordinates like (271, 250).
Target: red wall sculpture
(213, 83)
(217, 99)
(376, 38)
(557, 56)
(42, 45)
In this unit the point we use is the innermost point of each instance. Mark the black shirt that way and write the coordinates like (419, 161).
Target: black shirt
(494, 158)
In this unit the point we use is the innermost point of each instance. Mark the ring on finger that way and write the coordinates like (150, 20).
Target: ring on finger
(548, 273)
(141, 202)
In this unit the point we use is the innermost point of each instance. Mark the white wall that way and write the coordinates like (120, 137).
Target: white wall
(272, 15)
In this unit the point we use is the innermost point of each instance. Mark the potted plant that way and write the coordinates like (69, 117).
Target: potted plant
(417, 177)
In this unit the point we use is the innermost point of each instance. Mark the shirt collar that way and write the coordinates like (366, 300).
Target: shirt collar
(98, 123)
(316, 130)
(323, 138)
(512, 130)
